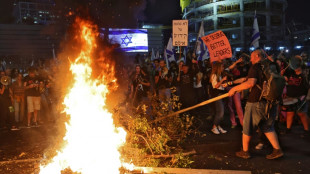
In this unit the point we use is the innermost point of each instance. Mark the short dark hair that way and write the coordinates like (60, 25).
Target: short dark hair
(31, 69)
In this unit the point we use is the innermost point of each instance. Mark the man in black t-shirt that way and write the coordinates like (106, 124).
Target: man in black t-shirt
(186, 80)
(296, 88)
(163, 80)
(32, 93)
(254, 115)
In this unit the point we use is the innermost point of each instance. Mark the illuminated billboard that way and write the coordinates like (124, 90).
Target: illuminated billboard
(130, 40)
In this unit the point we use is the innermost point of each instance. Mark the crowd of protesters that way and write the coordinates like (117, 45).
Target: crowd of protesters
(199, 80)
(27, 97)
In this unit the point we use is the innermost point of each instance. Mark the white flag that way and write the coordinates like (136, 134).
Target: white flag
(169, 51)
(157, 55)
(153, 55)
(255, 35)
(166, 58)
(201, 48)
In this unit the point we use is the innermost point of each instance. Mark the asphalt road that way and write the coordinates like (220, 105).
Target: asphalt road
(20, 151)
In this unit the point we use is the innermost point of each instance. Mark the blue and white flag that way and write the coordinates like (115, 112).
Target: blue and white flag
(169, 51)
(157, 55)
(153, 55)
(201, 48)
(130, 40)
(166, 58)
(184, 54)
(255, 35)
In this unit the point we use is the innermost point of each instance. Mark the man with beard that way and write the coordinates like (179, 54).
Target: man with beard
(254, 115)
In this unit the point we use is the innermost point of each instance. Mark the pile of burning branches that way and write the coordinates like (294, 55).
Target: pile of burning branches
(154, 144)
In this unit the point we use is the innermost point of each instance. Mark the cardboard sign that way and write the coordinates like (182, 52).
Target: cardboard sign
(218, 46)
(179, 32)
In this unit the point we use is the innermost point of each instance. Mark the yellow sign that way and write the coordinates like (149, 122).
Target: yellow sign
(184, 3)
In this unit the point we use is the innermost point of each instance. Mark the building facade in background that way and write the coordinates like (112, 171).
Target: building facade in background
(34, 11)
(235, 18)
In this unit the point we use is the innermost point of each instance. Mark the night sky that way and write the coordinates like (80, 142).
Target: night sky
(126, 13)
(298, 10)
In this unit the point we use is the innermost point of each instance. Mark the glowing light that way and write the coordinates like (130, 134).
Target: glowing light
(267, 48)
(281, 48)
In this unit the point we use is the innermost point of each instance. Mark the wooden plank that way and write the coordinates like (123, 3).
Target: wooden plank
(187, 171)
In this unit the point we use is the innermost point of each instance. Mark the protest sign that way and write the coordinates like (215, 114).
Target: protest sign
(180, 32)
(218, 46)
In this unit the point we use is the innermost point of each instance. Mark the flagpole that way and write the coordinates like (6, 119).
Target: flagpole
(180, 48)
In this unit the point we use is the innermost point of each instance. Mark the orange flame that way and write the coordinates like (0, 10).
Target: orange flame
(92, 140)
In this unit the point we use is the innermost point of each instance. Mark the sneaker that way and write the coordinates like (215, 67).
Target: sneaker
(35, 124)
(215, 131)
(28, 125)
(14, 128)
(221, 130)
(243, 154)
(259, 146)
(276, 153)
(233, 126)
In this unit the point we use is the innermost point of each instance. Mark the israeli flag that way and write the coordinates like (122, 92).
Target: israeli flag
(166, 58)
(201, 48)
(255, 35)
(170, 51)
(157, 55)
(130, 40)
(153, 55)
(185, 54)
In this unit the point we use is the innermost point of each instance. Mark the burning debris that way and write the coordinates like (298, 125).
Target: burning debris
(91, 140)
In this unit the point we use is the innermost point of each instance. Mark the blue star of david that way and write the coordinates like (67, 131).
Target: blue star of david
(126, 40)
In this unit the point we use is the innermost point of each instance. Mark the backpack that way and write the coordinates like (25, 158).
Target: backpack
(273, 87)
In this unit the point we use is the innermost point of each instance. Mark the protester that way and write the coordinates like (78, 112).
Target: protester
(139, 86)
(297, 89)
(217, 79)
(19, 98)
(163, 82)
(235, 99)
(254, 115)
(31, 84)
(187, 95)
(7, 116)
(198, 88)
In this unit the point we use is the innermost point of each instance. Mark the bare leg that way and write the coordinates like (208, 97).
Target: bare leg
(289, 119)
(273, 139)
(304, 120)
(35, 115)
(29, 118)
(245, 142)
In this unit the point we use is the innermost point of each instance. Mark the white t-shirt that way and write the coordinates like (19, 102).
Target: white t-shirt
(214, 82)
(199, 85)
